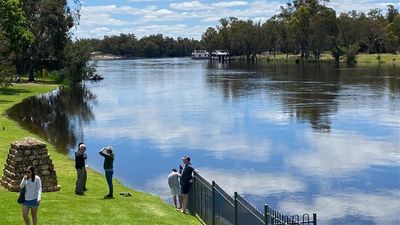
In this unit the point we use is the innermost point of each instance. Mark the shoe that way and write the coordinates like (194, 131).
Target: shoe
(108, 197)
(85, 189)
(79, 193)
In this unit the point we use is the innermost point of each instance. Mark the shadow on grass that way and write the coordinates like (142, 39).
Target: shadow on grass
(4, 101)
(12, 91)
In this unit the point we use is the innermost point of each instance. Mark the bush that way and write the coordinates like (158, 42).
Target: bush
(76, 66)
(6, 73)
(351, 54)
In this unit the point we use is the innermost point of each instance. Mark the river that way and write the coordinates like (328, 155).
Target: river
(302, 138)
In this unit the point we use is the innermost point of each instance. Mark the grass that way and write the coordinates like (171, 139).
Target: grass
(386, 59)
(64, 207)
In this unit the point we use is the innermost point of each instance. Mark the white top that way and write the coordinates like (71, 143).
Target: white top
(33, 189)
(173, 180)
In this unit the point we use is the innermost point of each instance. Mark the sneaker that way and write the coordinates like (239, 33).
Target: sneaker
(108, 197)
(85, 189)
(79, 193)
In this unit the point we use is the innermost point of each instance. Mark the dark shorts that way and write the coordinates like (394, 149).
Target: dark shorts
(185, 188)
(31, 203)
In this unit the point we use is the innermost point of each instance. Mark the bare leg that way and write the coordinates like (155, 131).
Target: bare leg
(180, 201)
(185, 202)
(34, 215)
(25, 212)
(176, 206)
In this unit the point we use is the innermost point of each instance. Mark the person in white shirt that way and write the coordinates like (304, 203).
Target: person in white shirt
(33, 195)
(173, 182)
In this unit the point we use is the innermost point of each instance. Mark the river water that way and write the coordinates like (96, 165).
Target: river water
(301, 138)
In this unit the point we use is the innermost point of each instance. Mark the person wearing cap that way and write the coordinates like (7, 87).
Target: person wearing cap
(80, 157)
(186, 181)
(107, 153)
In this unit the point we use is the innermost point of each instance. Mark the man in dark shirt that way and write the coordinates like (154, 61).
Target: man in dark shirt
(186, 181)
(80, 157)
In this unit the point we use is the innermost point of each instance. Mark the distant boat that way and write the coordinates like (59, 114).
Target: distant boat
(200, 54)
(220, 55)
(96, 77)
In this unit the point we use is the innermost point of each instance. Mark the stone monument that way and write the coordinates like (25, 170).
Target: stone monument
(29, 152)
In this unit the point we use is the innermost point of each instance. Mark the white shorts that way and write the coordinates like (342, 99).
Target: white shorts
(175, 191)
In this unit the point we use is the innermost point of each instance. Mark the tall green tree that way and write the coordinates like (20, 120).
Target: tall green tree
(13, 36)
(211, 40)
(49, 21)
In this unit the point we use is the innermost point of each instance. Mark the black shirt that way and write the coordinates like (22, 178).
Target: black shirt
(186, 175)
(79, 160)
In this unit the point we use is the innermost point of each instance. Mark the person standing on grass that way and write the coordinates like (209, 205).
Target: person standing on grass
(80, 157)
(173, 182)
(107, 153)
(186, 181)
(33, 195)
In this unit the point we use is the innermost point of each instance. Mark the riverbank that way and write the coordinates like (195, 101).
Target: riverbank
(64, 207)
(364, 59)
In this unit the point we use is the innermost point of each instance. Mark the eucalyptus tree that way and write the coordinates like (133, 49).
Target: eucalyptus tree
(49, 21)
(270, 35)
(13, 36)
(244, 38)
(210, 39)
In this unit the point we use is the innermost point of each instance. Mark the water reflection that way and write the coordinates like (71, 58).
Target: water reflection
(58, 116)
(308, 92)
(287, 135)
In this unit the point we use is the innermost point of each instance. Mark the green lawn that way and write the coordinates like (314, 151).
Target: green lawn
(64, 207)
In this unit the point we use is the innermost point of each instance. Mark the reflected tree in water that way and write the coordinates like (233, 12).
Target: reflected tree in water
(57, 117)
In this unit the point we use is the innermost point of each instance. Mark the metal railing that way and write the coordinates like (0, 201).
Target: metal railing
(215, 207)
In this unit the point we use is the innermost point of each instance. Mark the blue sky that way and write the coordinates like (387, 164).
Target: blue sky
(188, 18)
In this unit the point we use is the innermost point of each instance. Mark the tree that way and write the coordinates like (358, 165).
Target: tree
(270, 35)
(49, 21)
(391, 13)
(301, 26)
(324, 31)
(244, 38)
(13, 35)
(210, 39)
(393, 34)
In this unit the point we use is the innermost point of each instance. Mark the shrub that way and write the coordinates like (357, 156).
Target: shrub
(351, 54)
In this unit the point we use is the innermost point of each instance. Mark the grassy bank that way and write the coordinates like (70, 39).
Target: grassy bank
(371, 59)
(64, 207)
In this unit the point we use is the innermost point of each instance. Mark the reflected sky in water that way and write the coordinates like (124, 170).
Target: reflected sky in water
(302, 138)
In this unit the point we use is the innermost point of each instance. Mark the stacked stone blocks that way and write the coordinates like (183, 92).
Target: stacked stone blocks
(29, 152)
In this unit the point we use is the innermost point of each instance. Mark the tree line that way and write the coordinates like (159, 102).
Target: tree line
(36, 35)
(308, 28)
(153, 46)
(304, 27)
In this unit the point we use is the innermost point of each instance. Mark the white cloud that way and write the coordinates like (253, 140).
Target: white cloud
(252, 183)
(194, 5)
(230, 4)
(168, 131)
(359, 5)
(340, 153)
(378, 208)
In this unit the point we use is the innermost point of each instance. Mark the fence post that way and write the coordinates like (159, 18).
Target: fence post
(314, 218)
(266, 214)
(213, 202)
(236, 208)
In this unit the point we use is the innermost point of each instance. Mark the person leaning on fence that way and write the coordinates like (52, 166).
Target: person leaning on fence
(107, 153)
(186, 181)
(173, 182)
(33, 195)
(80, 157)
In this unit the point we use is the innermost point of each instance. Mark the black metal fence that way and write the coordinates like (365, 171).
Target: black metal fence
(215, 207)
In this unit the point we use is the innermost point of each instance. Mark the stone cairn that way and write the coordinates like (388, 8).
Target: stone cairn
(29, 152)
